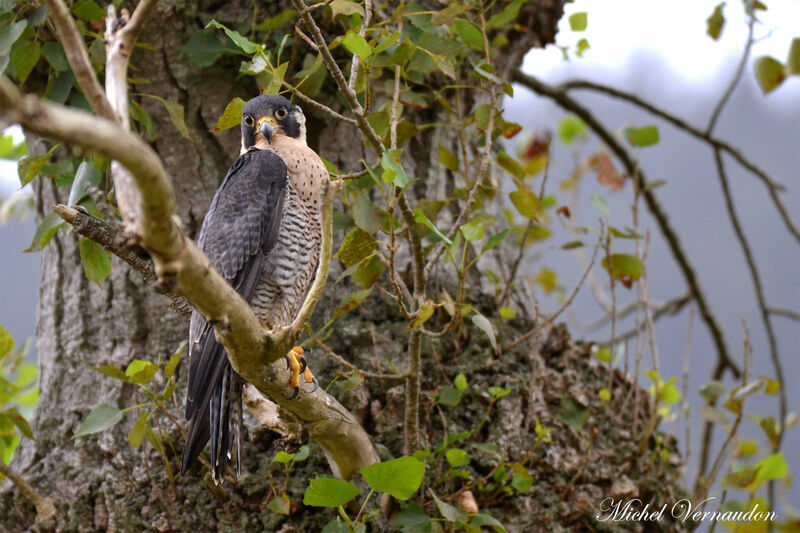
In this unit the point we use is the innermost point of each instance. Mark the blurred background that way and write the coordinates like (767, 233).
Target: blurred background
(661, 52)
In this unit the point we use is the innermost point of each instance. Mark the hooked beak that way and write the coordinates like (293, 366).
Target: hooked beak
(267, 126)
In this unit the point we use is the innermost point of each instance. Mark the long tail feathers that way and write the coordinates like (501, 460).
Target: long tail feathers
(216, 415)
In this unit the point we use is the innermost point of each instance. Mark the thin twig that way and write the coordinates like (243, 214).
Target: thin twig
(788, 313)
(567, 303)
(345, 363)
(724, 360)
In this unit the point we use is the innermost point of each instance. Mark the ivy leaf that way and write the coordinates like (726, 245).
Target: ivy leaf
(329, 492)
(356, 44)
(24, 58)
(623, 266)
(793, 61)
(88, 10)
(203, 48)
(508, 15)
(140, 371)
(423, 314)
(247, 46)
(772, 467)
(716, 22)
(95, 261)
(100, 418)
(6, 342)
(420, 218)
(46, 230)
(644, 136)
(346, 8)
(578, 21)
(526, 203)
(769, 73)
(448, 159)
(484, 325)
(356, 246)
(399, 477)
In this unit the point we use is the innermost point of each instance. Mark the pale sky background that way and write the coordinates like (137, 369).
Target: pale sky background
(660, 51)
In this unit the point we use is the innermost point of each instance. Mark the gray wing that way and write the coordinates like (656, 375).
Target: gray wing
(239, 230)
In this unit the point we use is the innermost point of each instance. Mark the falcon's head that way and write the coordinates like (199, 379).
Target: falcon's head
(268, 116)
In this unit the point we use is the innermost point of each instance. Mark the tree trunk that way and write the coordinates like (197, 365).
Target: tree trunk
(101, 482)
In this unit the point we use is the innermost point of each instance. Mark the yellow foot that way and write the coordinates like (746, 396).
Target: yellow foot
(297, 365)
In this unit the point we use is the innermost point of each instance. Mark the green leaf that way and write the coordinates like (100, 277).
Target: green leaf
(412, 518)
(572, 245)
(143, 117)
(46, 230)
(273, 23)
(203, 48)
(399, 477)
(581, 46)
(391, 160)
(302, 453)
(469, 35)
(510, 165)
(448, 159)
(95, 261)
(450, 513)
(247, 46)
(572, 414)
(329, 492)
(9, 35)
(604, 394)
(174, 360)
(460, 382)
(403, 53)
(578, 21)
(526, 203)
(423, 314)
(111, 371)
(482, 114)
(356, 44)
(283, 457)
(141, 371)
(87, 174)
(278, 76)
(449, 396)
(623, 266)
(712, 414)
(793, 61)
(175, 111)
(53, 52)
(19, 421)
(88, 10)
(508, 15)
(484, 325)
(29, 167)
(350, 301)
(522, 480)
(481, 520)
(472, 231)
(356, 246)
(507, 313)
(101, 418)
(644, 136)
(457, 457)
(716, 22)
(495, 240)
(499, 392)
(137, 432)
(772, 467)
(345, 7)
(280, 504)
(571, 128)
(420, 218)
(6, 342)
(769, 73)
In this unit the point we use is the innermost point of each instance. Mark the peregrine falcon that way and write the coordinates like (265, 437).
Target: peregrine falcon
(263, 234)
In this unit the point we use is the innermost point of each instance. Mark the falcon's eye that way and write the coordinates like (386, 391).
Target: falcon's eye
(249, 121)
(281, 113)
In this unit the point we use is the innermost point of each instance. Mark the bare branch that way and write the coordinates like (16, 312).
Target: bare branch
(788, 313)
(724, 359)
(45, 510)
(78, 58)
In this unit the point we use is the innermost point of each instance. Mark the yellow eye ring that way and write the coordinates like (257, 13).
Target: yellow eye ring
(249, 121)
(281, 113)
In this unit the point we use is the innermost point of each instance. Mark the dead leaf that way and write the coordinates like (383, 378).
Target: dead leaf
(606, 173)
(467, 502)
(537, 146)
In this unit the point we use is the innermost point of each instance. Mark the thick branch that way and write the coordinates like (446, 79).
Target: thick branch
(78, 58)
(724, 359)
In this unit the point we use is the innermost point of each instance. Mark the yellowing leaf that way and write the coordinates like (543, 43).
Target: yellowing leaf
(578, 21)
(769, 73)
(547, 278)
(423, 314)
(623, 266)
(716, 22)
(510, 165)
(356, 44)
(526, 203)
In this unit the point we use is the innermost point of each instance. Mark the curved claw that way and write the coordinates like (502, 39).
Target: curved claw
(288, 361)
(294, 394)
(303, 364)
(316, 385)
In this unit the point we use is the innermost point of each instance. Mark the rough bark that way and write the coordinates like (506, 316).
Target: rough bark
(102, 482)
